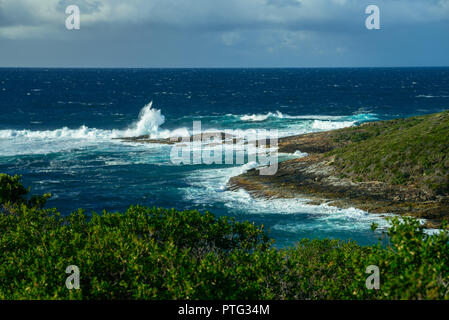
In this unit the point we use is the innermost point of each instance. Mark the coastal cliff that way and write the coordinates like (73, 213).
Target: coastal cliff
(398, 166)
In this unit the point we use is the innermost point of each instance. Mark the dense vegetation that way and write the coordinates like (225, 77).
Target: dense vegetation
(412, 152)
(150, 253)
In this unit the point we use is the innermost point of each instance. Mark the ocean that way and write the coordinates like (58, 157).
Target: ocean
(58, 130)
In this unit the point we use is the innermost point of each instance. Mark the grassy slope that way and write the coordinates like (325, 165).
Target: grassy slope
(412, 151)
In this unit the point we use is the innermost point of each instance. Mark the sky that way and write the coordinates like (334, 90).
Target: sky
(224, 33)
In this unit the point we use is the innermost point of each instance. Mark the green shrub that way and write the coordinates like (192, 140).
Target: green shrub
(12, 191)
(416, 264)
(151, 253)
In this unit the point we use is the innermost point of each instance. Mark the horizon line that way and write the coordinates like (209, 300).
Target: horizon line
(148, 68)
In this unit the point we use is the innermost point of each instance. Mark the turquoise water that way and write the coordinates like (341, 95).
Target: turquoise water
(58, 129)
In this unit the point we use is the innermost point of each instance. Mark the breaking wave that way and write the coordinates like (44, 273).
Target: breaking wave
(150, 122)
(280, 115)
(19, 142)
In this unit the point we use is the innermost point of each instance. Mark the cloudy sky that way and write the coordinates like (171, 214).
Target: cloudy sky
(224, 33)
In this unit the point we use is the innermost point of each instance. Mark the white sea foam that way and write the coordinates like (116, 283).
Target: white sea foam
(20, 142)
(300, 154)
(280, 115)
(150, 122)
(261, 117)
(331, 125)
(209, 185)
(430, 96)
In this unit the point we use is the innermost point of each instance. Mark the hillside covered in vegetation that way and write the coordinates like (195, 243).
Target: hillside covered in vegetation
(412, 152)
(396, 166)
(151, 253)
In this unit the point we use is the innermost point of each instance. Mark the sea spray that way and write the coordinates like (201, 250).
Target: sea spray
(148, 123)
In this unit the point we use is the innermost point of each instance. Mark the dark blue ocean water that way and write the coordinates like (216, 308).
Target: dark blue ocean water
(57, 128)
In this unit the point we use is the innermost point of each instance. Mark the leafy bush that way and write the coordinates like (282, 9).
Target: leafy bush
(151, 253)
(416, 264)
(12, 191)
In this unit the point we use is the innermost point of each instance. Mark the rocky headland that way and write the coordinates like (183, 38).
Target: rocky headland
(398, 166)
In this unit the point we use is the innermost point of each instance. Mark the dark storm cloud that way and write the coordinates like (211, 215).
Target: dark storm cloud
(223, 33)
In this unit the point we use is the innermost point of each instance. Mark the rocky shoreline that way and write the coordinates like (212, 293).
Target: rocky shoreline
(315, 177)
